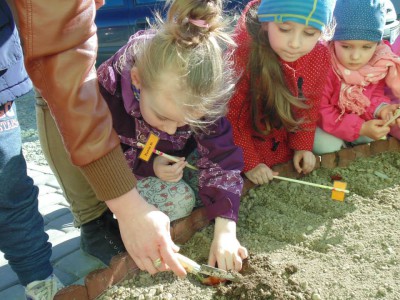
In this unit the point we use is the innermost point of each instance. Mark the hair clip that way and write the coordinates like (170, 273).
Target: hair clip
(199, 23)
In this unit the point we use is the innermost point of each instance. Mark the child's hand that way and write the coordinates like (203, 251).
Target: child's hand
(304, 161)
(387, 112)
(167, 171)
(226, 251)
(260, 174)
(374, 129)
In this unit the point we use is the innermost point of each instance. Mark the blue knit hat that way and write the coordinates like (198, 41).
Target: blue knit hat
(359, 20)
(315, 13)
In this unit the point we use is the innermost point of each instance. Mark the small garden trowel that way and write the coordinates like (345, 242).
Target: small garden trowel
(193, 267)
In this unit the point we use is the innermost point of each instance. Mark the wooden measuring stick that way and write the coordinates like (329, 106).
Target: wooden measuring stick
(396, 115)
(170, 157)
(313, 184)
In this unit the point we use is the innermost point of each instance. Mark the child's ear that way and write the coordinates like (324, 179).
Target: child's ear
(135, 77)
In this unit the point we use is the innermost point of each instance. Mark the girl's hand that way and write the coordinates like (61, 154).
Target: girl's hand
(261, 174)
(226, 251)
(304, 161)
(374, 129)
(387, 112)
(167, 171)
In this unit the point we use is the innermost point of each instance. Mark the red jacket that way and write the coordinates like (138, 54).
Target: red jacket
(279, 145)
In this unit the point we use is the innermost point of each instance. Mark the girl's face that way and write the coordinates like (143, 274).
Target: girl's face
(159, 106)
(354, 54)
(291, 40)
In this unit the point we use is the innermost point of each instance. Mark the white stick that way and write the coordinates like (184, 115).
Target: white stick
(313, 184)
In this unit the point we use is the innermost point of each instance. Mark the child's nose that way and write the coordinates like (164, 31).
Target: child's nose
(295, 41)
(355, 55)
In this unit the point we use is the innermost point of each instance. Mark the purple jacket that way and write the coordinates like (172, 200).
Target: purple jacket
(14, 81)
(220, 161)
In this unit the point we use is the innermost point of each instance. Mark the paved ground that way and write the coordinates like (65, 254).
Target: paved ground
(71, 265)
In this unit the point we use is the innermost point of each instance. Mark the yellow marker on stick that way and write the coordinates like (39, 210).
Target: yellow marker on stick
(148, 149)
(338, 188)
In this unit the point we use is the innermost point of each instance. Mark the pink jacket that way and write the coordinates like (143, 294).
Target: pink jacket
(347, 127)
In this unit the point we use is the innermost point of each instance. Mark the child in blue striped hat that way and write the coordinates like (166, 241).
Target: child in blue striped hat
(283, 66)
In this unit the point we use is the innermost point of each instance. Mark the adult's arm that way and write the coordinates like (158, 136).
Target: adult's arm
(60, 45)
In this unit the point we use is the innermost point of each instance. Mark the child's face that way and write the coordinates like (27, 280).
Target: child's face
(354, 54)
(159, 106)
(291, 40)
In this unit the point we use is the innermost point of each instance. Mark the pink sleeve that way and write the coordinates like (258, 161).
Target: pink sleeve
(376, 94)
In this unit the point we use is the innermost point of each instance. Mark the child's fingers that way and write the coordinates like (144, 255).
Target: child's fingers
(297, 166)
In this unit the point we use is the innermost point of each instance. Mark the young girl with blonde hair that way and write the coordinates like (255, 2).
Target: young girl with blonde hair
(283, 67)
(173, 81)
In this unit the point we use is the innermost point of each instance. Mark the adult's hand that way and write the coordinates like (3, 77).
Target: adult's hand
(145, 231)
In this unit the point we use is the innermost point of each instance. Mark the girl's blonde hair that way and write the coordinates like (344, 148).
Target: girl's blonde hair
(271, 100)
(195, 52)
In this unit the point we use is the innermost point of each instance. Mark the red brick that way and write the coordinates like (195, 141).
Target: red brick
(183, 229)
(131, 265)
(98, 281)
(119, 267)
(123, 258)
(363, 150)
(328, 160)
(247, 186)
(379, 146)
(286, 170)
(317, 162)
(394, 144)
(345, 157)
(72, 292)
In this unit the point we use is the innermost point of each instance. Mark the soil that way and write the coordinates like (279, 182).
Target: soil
(303, 244)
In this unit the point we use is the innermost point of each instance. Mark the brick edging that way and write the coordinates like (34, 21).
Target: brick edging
(98, 281)
(341, 158)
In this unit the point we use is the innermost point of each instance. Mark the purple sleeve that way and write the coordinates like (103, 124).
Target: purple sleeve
(220, 165)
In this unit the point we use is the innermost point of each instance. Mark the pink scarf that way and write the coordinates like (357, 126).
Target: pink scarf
(383, 64)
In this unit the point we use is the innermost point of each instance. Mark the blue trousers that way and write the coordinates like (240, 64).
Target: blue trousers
(22, 238)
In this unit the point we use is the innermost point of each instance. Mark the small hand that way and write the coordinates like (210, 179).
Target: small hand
(304, 161)
(374, 129)
(168, 171)
(387, 112)
(261, 174)
(226, 251)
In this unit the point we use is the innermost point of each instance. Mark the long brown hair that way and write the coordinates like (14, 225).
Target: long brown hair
(271, 100)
